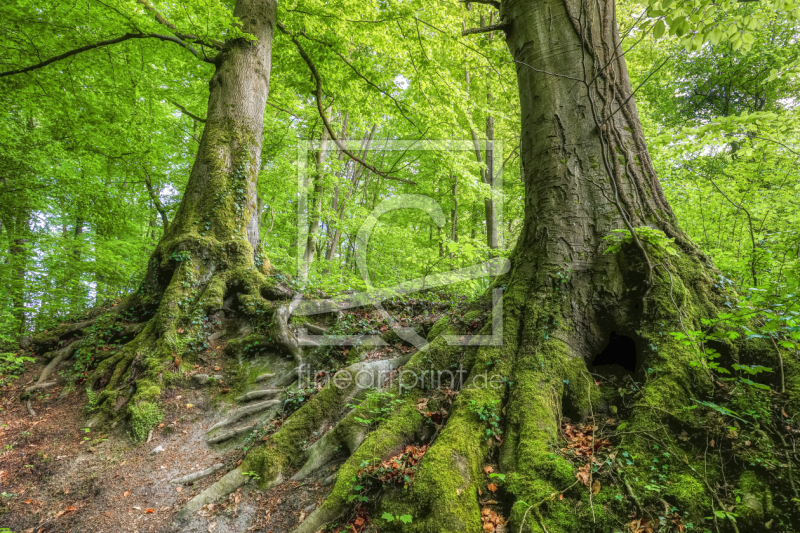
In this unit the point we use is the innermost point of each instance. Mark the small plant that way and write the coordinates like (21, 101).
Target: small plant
(404, 518)
(489, 413)
(375, 407)
(144, 417)
(180, 256)
(252, 475)
(93, 398)
(293, 399)
(11, 367)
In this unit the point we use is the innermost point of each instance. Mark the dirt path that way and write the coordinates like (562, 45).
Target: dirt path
(58, 476)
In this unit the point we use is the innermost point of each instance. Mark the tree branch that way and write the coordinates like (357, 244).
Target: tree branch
(494, 3)
(101, 44)
(325, 121)
(187, 112)
(369, 82)
(184, 36)
(486, 29)
(156, 201)
(279, 108)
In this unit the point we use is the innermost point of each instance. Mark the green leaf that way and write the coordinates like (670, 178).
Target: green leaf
(659, 29)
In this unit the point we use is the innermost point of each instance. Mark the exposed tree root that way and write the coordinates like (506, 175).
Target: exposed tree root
(242, 412)
(222, 437)
(195, 476)
(229, 483)
(388, 439)
(254, 395)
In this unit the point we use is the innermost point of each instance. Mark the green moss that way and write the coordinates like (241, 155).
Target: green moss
(688, 494)
(144, 416)
(438, 328)
(281, 449)
(755, 496)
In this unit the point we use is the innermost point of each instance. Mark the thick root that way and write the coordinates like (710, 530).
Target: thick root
(401, 428)
(246, 411)
(195, 476)
(229, 483)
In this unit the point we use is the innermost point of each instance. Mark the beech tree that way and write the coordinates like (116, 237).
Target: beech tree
(601, 267)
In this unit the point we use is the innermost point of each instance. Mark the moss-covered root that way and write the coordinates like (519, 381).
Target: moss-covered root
(281, 330)
(400, 429)
(281, 451)
(547, 377)
(349, 433)
(444, 494)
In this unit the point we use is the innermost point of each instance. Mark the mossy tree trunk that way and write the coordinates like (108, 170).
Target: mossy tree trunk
(208, 261)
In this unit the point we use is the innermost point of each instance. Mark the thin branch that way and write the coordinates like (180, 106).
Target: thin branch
(156, 201)
(325, 121)
(776, 142)
(187, 112)
(749, 222)
(636, 90)
(279, 108)
(550, 73)
(183, 36)
(369, 82)
(486, 29)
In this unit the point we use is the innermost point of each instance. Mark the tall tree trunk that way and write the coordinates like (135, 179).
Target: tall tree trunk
(204, 262)
(219, 205)
(454, 212)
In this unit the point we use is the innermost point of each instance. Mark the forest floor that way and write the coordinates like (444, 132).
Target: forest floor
(57, 475)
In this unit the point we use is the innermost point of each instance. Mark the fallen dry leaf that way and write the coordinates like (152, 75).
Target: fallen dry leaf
(179, 489)
(492, 487)
(583, 474)
(125, 494)
(595, 486)
(148, 511)
(488, 470)
(358, 521)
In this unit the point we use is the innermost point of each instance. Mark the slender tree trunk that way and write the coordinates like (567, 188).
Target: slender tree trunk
(316, 205)
(357, 171)
(488, 179)
(19, 260)
(454, 212)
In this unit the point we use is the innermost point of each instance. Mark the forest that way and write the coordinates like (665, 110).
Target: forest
(397, 266)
